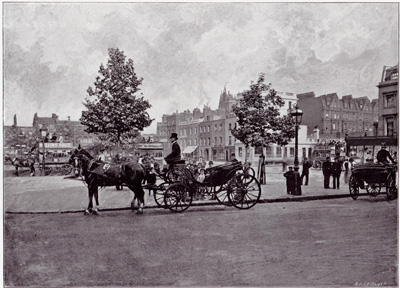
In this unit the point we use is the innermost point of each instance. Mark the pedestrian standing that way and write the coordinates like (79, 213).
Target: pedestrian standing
(306, 170)
(346, 166)
(289, 180)
(336, 171)
(326, 171)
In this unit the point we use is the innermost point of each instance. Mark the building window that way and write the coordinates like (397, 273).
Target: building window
(208, 128)
(327, 115)
(195, 130)
(389, 126)
(333, 126)
(240, 152)
(220, 140)
(290, 104)
(278, 152)
(215, 140)
(220, 127)
(291, 152)
(190, 131)
(389, 100)
(230, 126)
(209, 141)
(215, 127)
(230, 140)
(268, 151)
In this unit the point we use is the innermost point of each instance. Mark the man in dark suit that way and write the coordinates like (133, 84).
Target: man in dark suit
(176, 150)
(326, 170)
(306, 170)
(383, 155)
(336, 171)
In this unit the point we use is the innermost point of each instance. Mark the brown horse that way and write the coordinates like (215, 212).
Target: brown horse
(98, 174)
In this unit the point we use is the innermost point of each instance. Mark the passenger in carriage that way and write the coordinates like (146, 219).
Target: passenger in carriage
(233, 158)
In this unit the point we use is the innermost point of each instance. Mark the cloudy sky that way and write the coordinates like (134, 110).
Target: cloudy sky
(188, 52)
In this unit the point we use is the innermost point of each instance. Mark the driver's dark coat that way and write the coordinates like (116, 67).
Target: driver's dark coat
(175, 153)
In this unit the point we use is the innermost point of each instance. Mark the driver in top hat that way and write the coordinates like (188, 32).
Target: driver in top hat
(176, 150)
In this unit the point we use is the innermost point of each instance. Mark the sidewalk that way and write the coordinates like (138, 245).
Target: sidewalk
(58, 194)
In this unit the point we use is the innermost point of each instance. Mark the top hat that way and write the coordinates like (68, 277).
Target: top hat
(174, 135)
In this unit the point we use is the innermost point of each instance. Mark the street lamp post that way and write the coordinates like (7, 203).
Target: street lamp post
(297, 115)
(43, 132)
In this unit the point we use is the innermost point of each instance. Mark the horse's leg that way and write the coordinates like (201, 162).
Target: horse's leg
(90, 205)
(16, 170)
(96, 198)
(139, 195)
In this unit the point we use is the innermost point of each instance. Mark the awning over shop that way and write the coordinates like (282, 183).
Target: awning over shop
(189, 149)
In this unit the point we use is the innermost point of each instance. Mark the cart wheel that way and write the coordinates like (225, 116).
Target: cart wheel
(221, 194)
(159, 194)
(373, 189)
(391, 189)
(178, 197)
(244, 192)
(353, 187)
(66, 169)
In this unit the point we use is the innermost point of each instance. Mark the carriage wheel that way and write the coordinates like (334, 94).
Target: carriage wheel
(221, 194)
(66, 169)
(244, 192)
(159, 194)
(249, 172)
(353, 188)
(391, 189)
(47, 170)
(178, 197)
(373, 189)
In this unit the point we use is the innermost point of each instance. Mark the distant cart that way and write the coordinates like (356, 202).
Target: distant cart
(373, 177)
(56, 157)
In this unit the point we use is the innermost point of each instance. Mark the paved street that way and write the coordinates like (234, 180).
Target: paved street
(314, 243)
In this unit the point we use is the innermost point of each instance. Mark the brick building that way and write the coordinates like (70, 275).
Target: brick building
(335, 117)
(388, 102)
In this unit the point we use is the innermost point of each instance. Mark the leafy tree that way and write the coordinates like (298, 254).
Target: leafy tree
(259, 122)
(116, 110)
(258, 118)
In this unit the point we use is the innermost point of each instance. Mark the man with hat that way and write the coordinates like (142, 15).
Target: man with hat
(176, 150)
(326, 170)
(383, 155)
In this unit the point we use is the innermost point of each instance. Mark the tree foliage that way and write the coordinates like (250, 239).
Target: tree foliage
(114, 110)
(258, 118)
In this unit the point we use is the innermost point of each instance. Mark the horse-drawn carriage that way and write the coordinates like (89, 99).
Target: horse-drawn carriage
(230, 184)
(373, 177)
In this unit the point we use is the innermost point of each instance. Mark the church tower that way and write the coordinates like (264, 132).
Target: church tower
(226, 101)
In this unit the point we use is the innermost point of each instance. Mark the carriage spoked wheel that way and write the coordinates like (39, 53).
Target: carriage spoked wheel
(353, 187)
(391, 189)
(47, 170)
(66, 169)
(244, 191)
(178, 197)
(221, 194)
(249, 171)
(373, 189)
(158, 194)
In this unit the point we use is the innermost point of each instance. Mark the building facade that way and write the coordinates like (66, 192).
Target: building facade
(388, 102)
(335, 117)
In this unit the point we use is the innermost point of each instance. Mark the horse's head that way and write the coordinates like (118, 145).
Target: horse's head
(80, 158)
